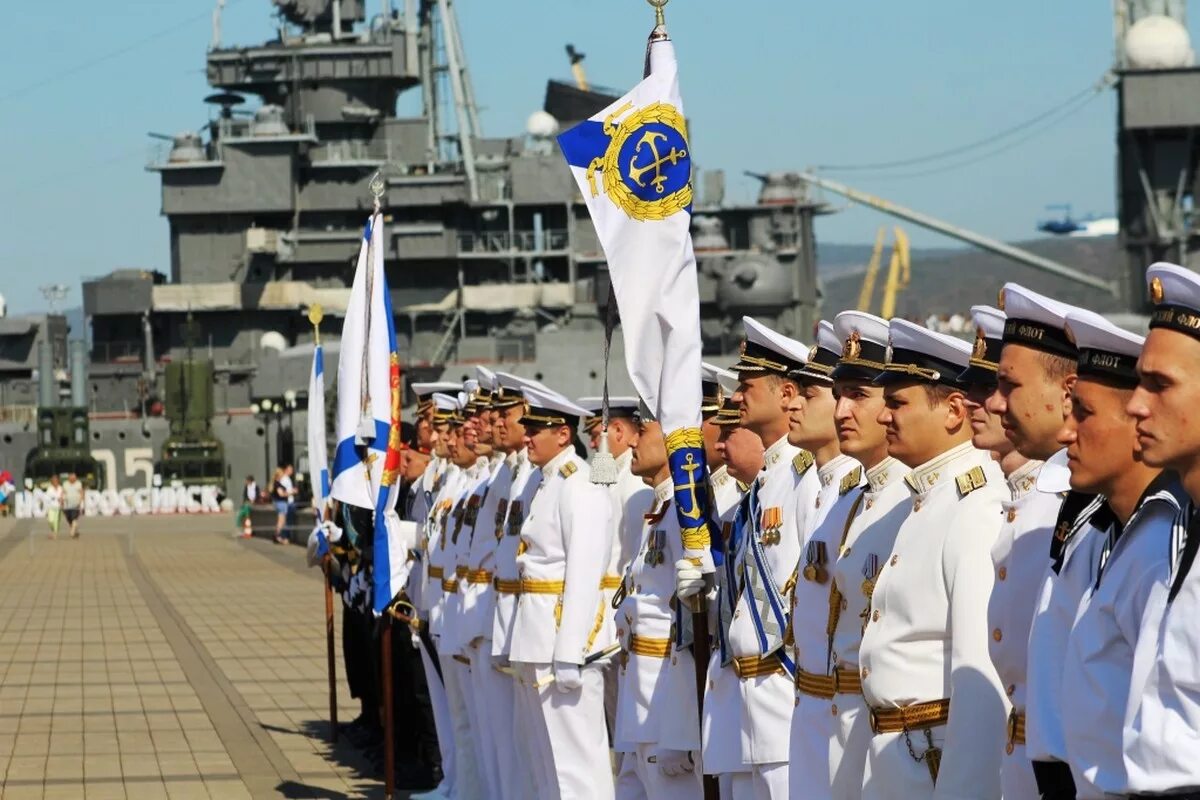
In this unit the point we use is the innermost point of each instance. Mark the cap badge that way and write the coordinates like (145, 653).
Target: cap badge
(742, 348)
(1000, 300)
(853, 348)
(980, 344)
(812, 352)
(1156, 290)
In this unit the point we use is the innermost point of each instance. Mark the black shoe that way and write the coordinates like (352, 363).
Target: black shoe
(414, 778)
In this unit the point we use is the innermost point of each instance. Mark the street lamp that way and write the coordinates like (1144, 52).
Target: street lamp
(263, 410)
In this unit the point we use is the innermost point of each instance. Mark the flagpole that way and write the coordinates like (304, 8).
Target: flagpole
(315, 314)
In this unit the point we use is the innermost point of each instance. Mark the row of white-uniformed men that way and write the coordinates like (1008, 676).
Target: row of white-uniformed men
(899, 611)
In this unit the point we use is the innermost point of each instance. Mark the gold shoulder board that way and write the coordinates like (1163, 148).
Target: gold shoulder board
(568, 469)
(851, 480)
(802, 462)
(970, 480)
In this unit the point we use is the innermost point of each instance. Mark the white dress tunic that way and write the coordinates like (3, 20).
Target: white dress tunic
(926, 637)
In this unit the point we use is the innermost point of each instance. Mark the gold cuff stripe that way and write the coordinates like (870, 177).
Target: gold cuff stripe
(479, 576)
(450, 585)
(436, 573)
(460, 571)
(507, 587)
(610, 582)
(842, 681)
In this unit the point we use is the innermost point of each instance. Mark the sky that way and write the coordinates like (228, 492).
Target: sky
(778, 85)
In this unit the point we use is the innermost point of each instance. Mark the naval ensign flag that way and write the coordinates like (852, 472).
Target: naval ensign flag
(318, 460)
(632, 162)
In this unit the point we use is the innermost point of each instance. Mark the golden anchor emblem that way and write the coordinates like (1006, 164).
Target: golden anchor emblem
(693, 509)
(650, 139)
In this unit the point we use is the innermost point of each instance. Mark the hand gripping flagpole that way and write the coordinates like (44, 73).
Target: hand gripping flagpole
(315, 315)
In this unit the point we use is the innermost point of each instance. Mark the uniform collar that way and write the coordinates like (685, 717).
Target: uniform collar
(625, 461)
(776, 453)
(839, 464)
(512, 459)
(937, 469)
(1023, 479)
(884, 473)
(663, 492)
(560, 459)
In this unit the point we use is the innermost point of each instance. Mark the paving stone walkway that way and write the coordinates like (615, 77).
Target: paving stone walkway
(161, 658)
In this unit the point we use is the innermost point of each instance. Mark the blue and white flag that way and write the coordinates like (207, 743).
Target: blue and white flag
(318, 459)
(633, 164)
(364, 384)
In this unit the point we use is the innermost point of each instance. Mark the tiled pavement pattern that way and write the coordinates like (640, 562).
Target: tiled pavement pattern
(160, 658)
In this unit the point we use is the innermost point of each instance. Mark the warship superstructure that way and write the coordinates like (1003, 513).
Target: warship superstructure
(491, 256)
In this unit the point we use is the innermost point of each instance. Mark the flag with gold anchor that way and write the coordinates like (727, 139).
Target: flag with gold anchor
(633, 164)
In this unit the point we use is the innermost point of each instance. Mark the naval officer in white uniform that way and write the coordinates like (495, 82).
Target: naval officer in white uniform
(937, 709)
(1162, 730)
(812, 426)
(866, 541)
(751, 640)
(560, 615)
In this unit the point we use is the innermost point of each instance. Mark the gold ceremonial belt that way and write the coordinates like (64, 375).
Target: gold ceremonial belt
(842, 681)
(610, 582)
(756, 666)
(436, 573)
(916, 716)
(460, 571)
(649, 646)
(449, 585)
(534, 586)
(479, 576)
(1016, 729)
(507, 587)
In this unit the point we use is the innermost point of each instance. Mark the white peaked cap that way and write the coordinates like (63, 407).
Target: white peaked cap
(485, 378)
(864, 342)
(593, 405)
(824, 355)
(990, 320)
(917, 353)
(766, 350)
(425, 389)
(444, 402)
(1035, 320)
(511, 381)
(550, 407)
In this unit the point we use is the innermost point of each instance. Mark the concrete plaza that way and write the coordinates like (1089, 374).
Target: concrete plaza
(158, 657)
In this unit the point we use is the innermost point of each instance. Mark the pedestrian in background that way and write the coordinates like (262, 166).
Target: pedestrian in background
(72, 502)
(54, 494)
(249, 496)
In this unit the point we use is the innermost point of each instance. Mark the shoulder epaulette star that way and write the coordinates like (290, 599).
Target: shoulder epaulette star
(802, 462)
(852, 479)
(568, 469)
(969, 481)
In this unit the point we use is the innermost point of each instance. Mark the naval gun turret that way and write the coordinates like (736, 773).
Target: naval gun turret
(63, 430)
(192, 453)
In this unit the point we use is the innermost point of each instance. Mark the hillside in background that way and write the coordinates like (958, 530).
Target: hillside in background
(949, 281)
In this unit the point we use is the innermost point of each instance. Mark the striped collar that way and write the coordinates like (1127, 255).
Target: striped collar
(834, 467)
(884, 473)
(663, 491)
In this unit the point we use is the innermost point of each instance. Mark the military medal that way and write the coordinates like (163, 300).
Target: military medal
(771, 522)
(500, 509)
(814, 567)
(870, 570)
(514, 518)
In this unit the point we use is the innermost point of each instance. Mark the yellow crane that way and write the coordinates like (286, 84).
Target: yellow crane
(898, 278)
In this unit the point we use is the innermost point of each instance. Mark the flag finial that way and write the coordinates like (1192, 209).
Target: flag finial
(315, 314)
(660, 19)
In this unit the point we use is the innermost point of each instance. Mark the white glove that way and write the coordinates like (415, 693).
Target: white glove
(500, 661)
(689, 580)
(567, 677)
(673, 763)
(332, 532)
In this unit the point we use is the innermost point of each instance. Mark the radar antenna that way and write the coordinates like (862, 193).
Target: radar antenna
(55, 293)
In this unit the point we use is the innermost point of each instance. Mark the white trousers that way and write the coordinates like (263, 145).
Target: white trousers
(629, 785)
(1016, 775)
(654, 784)
(574, 725)
(892, 773)
(507, 773)
(466, 764)
(761, 782)
(808, 748)
(848, 747)
(442, 722)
